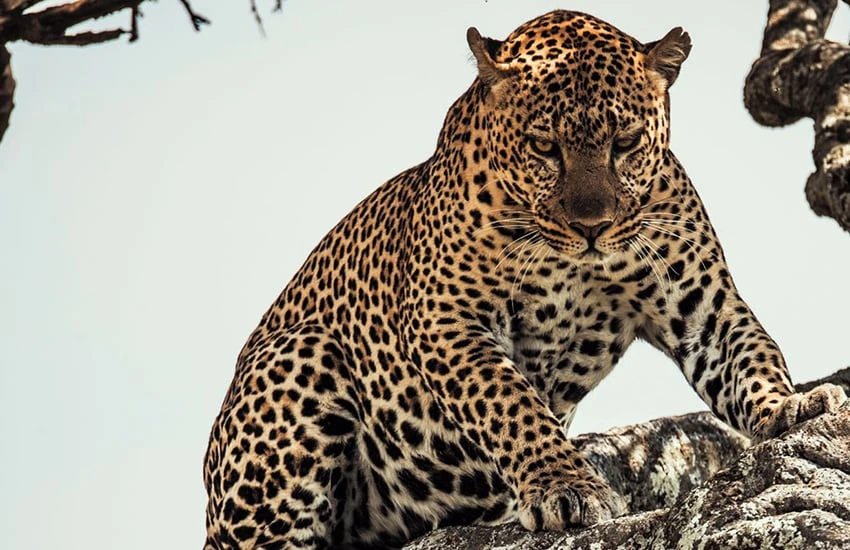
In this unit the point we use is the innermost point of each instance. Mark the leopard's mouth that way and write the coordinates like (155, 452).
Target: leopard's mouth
(576, 249)
(586, 251)
(586, 243)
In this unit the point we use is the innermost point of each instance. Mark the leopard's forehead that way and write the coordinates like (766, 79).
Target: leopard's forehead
(567, 34)
(576, 71)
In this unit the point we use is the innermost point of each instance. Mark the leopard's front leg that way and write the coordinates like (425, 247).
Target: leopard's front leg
(728, 357)
(481, 389)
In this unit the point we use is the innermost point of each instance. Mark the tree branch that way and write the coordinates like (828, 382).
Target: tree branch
(86, 38)
(50, 25)
(7, 89)
(800, 74)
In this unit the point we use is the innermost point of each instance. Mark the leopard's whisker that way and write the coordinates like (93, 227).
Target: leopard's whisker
(665, 200)
(521, 271)
(677, 221)
(693, 245)
(678, 225)
(517, 219)
(506, 224)
(656, 250)
(513, 247)
(510, 209)
(642, 256)
(652, 263)
(519, 246)
(538, 247)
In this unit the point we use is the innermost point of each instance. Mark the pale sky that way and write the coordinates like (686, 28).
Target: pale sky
(155, 198)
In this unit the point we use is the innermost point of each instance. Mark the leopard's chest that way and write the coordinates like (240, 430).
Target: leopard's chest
(567, 337)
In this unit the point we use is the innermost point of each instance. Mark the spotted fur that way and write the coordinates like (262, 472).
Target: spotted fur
(422, 367)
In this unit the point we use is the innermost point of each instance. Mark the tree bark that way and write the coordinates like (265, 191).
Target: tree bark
(7, 89)
(789, 492)
(800, 74)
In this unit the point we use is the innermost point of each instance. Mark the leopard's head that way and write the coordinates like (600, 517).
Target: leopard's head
(576, 117)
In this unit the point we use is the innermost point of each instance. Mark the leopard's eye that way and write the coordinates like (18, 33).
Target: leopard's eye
(543, 148)
(624, 144)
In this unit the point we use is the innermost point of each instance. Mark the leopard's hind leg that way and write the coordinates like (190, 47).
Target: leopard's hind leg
(280, 468)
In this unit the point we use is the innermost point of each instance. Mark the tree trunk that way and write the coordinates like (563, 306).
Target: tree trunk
(789, 492)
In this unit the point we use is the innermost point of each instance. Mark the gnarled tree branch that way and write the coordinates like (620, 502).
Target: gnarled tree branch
(800, 74)
(50, 25)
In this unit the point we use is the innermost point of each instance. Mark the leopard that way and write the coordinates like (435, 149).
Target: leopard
(423, 366)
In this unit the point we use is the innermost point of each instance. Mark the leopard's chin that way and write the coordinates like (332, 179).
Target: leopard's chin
(593, 255)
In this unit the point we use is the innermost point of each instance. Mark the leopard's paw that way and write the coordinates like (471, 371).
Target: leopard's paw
(570, 500)
(798, 407)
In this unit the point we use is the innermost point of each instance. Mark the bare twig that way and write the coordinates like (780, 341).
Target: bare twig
(197, 19)
(257, 17)
(134, 23)
(800, 74)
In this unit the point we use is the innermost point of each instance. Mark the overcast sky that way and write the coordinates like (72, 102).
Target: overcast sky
(155, 198)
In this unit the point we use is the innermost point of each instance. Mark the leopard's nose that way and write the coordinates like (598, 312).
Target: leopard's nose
(590, 232)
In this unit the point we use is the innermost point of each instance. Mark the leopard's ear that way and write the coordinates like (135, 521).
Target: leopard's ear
(665, 57)
(484, 49)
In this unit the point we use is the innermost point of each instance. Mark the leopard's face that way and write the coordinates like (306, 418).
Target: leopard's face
(578, 131)
(590, 168)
